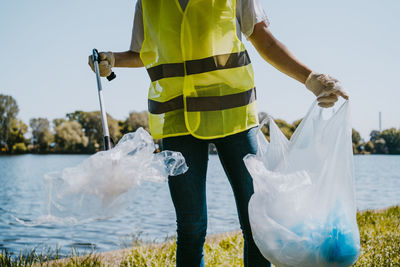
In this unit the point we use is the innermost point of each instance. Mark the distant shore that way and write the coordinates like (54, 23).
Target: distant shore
(80, 132)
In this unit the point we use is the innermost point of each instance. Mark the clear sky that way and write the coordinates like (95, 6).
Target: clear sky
(44, 47)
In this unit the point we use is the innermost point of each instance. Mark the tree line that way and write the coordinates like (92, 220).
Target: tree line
(81, 132)
(77, 132)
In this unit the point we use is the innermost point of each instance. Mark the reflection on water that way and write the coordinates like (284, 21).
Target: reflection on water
(151, 215)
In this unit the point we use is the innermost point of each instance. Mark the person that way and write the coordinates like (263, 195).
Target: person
(202, 91)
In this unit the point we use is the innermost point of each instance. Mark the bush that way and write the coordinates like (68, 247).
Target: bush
(19, 148)
(392, 140)
(380, 146)
(369, 147)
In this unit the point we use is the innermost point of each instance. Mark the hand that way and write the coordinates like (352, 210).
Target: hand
(106, 63)
(325, 88)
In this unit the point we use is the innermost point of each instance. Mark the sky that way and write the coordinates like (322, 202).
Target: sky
(44, 48)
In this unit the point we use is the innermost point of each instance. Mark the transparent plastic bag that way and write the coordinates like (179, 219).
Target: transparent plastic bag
(303, 211)
(104, 183)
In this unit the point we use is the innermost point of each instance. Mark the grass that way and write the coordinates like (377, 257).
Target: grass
(48, 258)
(379, 233)
(380, 237)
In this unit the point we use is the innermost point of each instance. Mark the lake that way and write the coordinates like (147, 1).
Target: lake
(150, 216)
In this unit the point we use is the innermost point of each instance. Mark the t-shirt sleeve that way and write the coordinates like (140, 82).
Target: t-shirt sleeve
(248, 14)
(137, 29)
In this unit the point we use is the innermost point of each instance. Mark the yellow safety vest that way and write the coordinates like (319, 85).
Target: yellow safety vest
(202, 82)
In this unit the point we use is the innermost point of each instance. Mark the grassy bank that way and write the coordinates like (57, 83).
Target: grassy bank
(379, 232)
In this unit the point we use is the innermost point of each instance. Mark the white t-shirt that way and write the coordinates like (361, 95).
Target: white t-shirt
(248, 13)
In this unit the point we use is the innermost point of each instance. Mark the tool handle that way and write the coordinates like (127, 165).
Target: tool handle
(106, 133)
(95, 57)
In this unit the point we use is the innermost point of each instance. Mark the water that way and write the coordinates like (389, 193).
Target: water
(377, 181)
(151, 215)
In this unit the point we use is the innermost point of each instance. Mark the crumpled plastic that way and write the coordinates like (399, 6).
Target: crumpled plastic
(105, 182)
(303, 211)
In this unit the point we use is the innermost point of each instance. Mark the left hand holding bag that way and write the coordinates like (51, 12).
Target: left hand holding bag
(325, 88)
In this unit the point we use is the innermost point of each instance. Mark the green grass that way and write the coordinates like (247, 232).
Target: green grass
(380, 237)
(379, 233)
(48, 258)
(26, 258)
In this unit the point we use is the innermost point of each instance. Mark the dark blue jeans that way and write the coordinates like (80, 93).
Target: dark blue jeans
(188, 192)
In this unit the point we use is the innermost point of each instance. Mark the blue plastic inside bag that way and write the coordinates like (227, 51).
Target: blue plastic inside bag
(340, 247)
(335, 241)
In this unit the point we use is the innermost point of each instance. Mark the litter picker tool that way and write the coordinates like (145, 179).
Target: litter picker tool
(104, 182)
(106, 133)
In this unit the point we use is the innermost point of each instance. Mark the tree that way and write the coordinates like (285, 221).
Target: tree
(135, 121)
(380, 146)
(355, 137)
(92, 127)
(8, 113)
(41, 134)
(369, 147)
(58, 122)
(70, 137)
(392, 140)
(18, 129)
(297, 123)
(286, 128)
(374, 135)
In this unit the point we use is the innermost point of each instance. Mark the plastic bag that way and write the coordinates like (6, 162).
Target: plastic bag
(303, 211)
(104, 182)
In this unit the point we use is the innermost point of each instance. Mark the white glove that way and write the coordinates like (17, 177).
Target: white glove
(325, 88)
(106, 63)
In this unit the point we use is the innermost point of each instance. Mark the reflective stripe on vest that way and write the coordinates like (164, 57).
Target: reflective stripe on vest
(199, 66)
(207, 103)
